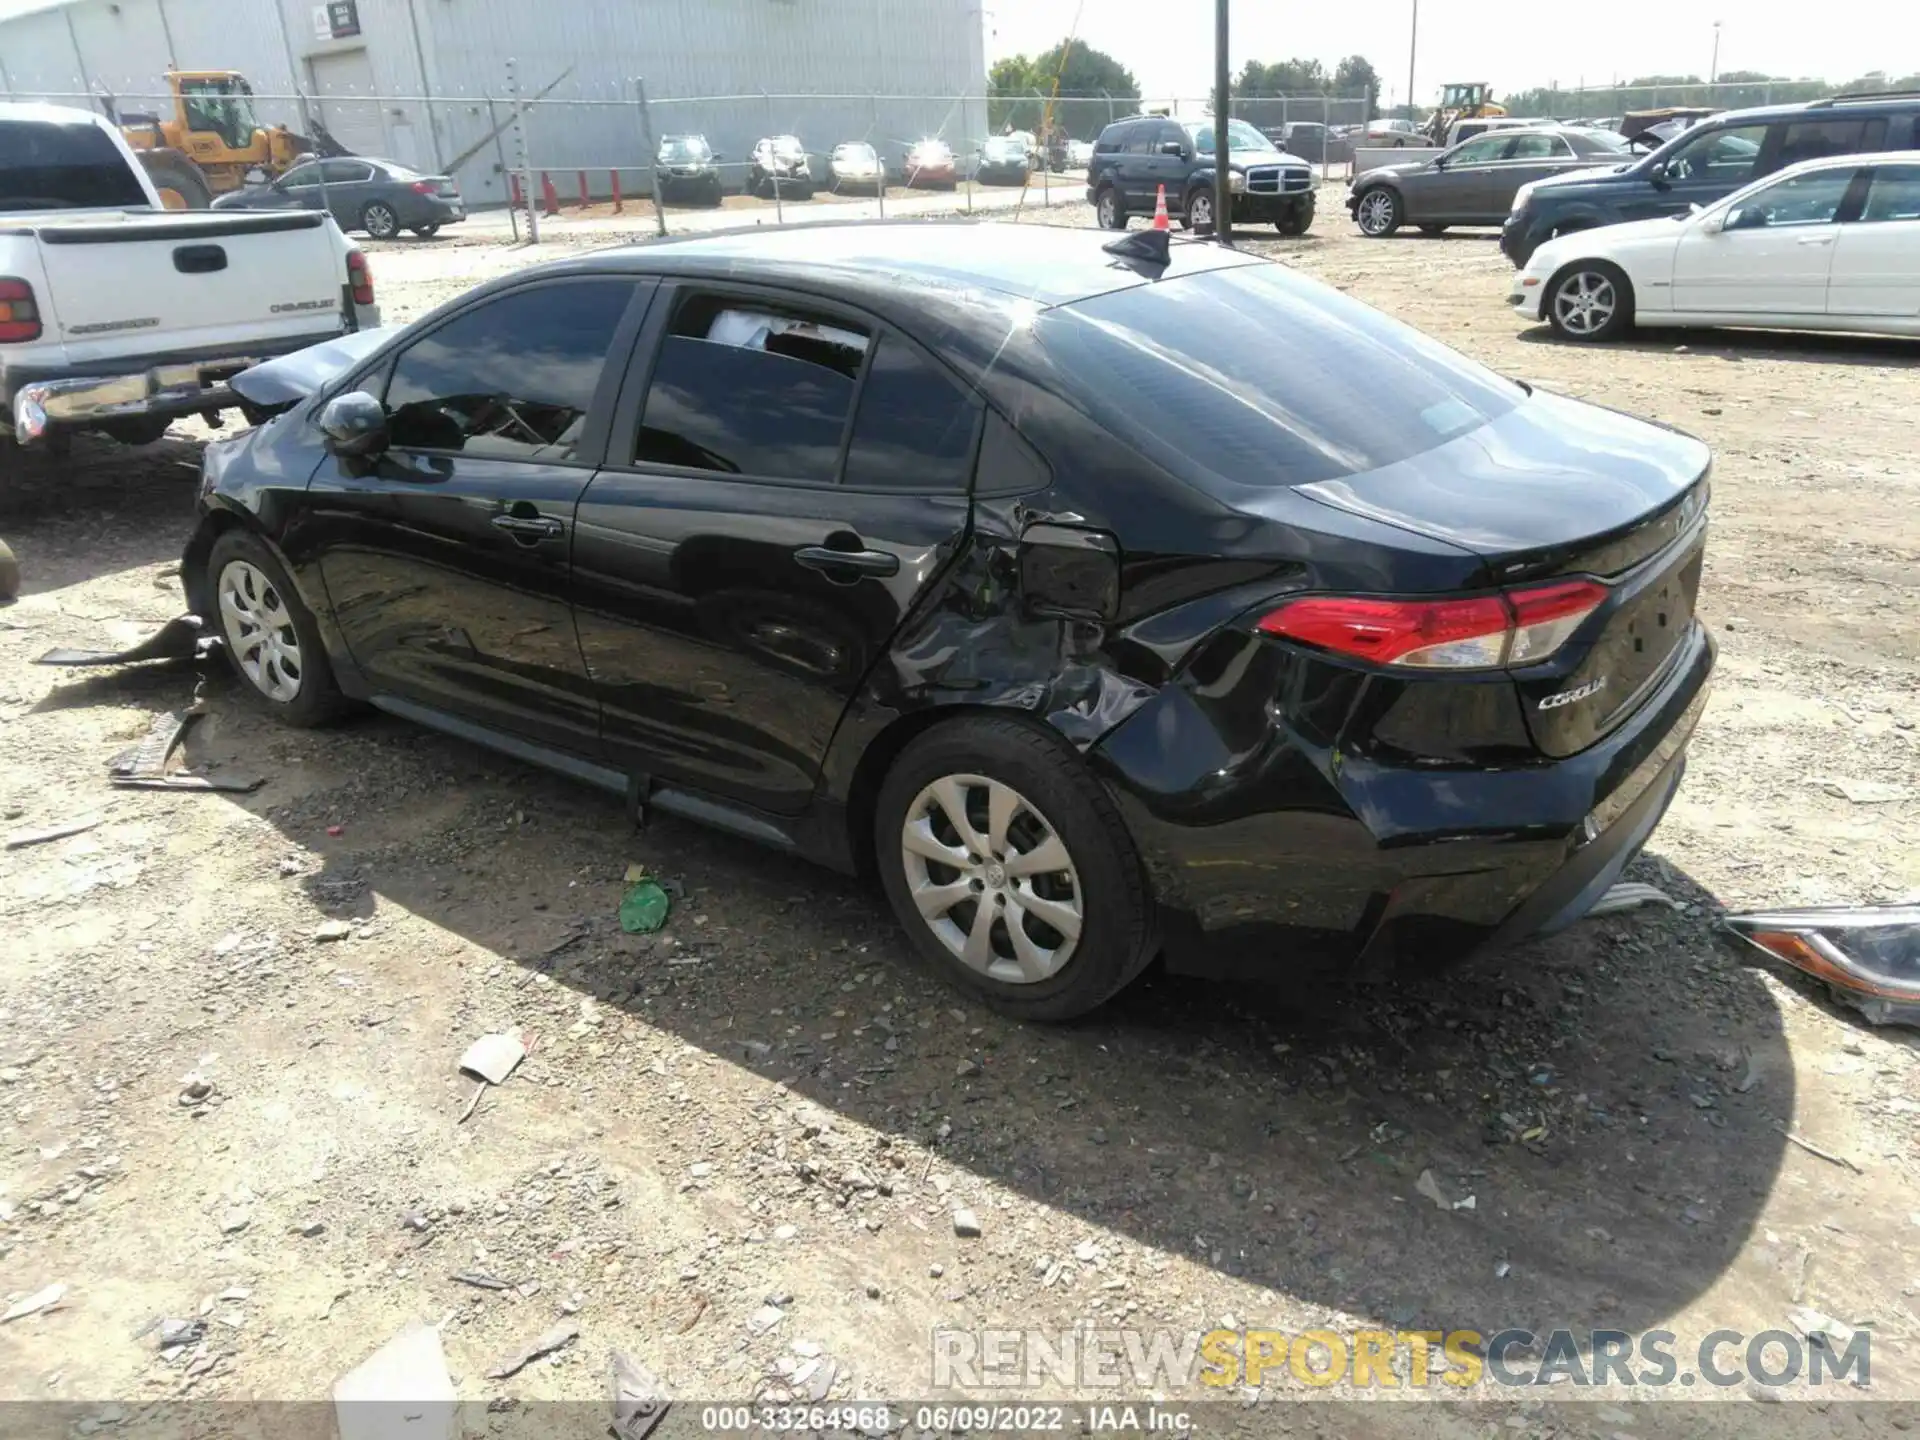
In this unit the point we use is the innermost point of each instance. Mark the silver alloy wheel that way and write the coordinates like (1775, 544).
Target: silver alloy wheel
(382, 223)
(1109, 209)
(1584, 302)
(1376, 212)
(1200, 211)
(259, 630)
(992, 878)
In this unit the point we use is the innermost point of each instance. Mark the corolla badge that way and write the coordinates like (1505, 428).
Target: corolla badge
(1579, 692)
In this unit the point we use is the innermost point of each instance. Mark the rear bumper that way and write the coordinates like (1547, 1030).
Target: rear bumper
(166, 386)
(1270, 857)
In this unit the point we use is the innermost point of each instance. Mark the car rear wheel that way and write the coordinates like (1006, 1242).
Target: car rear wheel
(426, 232)
(1378, 213)
(379, 221)
(1200, 210)
(1590, 300)
(1011, 870)
(1433, 229)
(271, 639)
(1108, 206)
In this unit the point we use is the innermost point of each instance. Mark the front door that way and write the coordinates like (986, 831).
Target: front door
(1450, 189)
(1770, 254)
(1707, 165)
(1876, 260)
(751, 546)
(447, 560)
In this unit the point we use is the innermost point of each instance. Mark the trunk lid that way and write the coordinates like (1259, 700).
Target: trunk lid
(123, 281)
(1554, 488)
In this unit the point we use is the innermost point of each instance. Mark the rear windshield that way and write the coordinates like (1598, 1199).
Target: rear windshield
(1256, 376)
(45, 166)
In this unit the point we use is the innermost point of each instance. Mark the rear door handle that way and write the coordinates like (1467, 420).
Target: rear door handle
(867, 562)
(533, 526)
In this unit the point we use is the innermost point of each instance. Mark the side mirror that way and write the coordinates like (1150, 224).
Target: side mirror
(1173, 148)
(355, 425)
(1440, 162)
(1658, 173)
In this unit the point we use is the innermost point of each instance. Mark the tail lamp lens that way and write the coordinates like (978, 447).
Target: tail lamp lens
(360, 277)
(19, 313)
(1477, 632)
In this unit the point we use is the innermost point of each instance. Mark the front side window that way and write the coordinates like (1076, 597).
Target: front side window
(1800, 200)
(1895, 194)
(1724, 157)
(304, 177)
(346, 172)
(512, 378)
(1480, 150)
(1817, 139)
(743, 388)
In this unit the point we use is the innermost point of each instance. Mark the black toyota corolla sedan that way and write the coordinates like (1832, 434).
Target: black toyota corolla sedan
(1105, 605)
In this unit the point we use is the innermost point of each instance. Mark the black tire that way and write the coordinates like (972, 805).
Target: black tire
(1110, 208)
(426, 232)
(1296, 221)
(1199, 210)
(317, 700)
(1598, 278)
(1378, 212)
(9, 573)
(1116, 937)
(1433, 229)
(379, 220)
(180, 175)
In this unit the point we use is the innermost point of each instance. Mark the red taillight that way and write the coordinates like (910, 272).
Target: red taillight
(1474, 633)
(425, 187)
(360, 278)
(19, 314)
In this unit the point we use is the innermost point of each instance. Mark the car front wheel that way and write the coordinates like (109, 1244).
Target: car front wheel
(1107, 206)
(1200, 210)
(1378, 213)
(1011, 870)
(379, 221)
(270, 637)
(1590, 300)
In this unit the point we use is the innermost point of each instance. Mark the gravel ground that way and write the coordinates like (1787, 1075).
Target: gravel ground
(736, 1148)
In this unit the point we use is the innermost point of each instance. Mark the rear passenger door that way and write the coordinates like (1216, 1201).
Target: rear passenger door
(1876, 260)
(349, 185)
(1526, 158)
(784, 479)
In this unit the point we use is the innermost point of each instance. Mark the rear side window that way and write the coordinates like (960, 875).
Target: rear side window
(1109, 141)
(1254, 376)
(1140, 139)
(915, 427)
(1895, 194)
(514, 377)
(47, 166)
(1817, 139)
(1539, 147)
(745, 388)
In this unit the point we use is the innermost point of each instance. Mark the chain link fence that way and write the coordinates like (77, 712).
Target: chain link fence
(1597, 102)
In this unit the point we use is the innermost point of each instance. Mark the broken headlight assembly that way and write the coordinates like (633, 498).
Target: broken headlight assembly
(1868, 956)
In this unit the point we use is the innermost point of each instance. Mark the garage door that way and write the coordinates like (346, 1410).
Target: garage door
(343, 83)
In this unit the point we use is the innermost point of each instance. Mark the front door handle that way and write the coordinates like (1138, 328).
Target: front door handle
(867, 562)
(535, 527)
(1816, 240)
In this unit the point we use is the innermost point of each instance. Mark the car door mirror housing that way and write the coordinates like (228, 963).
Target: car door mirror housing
(355, 425)
(1173, 148)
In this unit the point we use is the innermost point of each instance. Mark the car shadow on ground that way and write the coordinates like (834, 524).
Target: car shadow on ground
(137, 503)
(1736, 345)
(1586, 1103)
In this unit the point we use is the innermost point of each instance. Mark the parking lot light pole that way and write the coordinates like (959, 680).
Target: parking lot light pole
(1413, 51)
(1222, 172)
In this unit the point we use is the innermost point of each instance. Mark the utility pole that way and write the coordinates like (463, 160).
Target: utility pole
(1713, 70)
(1413, 50)
(1222, 105)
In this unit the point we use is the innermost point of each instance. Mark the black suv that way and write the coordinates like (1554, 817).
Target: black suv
(1132, 159)
(1708, 163)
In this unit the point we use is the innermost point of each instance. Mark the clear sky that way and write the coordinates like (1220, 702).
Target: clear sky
(1511, 44)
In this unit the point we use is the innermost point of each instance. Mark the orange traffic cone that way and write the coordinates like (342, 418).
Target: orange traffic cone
(1160, 221)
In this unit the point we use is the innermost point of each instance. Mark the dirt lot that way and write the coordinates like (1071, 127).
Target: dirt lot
(736, 1147)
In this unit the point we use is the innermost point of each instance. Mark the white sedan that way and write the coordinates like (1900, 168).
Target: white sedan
(1829, 244)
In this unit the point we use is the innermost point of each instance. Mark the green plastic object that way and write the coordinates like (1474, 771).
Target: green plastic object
(644, 910)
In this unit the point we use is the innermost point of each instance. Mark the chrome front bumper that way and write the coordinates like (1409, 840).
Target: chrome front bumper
(189, 388)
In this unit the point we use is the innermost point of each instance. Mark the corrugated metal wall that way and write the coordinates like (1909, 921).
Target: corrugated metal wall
(888, 71)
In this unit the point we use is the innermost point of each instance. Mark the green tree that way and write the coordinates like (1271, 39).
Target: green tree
(1093, 88)
(1355, 75)
(1284, 77)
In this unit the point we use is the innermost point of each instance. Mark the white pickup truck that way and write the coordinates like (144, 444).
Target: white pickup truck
(119, 315)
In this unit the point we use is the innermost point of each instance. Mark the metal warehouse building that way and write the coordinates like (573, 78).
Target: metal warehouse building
(425, 81)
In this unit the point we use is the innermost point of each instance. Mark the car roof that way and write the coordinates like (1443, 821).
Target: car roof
(1835, 105)
(1041, 265)
(40, 113)
(1847, 162)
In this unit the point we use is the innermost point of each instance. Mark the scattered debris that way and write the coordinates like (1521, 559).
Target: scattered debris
(644, 908)
(640, 1401)
(480, 1280)
(35, 1303)
(174, 1333)
(1813, 1149)
(558, 1338)
(764, 1319)
(966, 1224)
(492, 1058)
(1630, 895)
(1868, 956)
(144, 767)
(20, 839)
(400, 1392)
(330, 930)
(178, 639)
(235, 1220)
(1820, 1328)
(196, 1091)
(1428, 1186)
(1867, 792)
